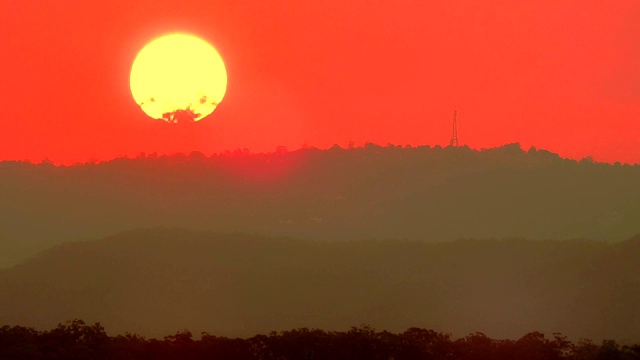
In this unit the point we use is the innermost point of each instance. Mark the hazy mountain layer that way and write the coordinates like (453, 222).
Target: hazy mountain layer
(158, 281)
(423, 193)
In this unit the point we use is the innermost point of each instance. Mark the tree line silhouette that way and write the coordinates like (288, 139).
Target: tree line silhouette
(77, 340)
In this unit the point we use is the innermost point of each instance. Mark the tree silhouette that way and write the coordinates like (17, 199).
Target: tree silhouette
(181, 116)
(77, 340)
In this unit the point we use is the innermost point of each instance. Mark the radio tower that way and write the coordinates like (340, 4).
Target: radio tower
(454, 136)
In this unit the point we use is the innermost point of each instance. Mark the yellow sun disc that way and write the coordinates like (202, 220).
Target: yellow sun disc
(177, 78)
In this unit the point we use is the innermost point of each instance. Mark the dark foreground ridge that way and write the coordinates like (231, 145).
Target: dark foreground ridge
(77, 340)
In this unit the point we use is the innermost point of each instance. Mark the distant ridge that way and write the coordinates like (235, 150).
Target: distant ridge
(158, 281)
(392, 192)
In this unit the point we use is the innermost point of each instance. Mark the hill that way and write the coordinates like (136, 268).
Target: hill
(158, 281)
(392, 192)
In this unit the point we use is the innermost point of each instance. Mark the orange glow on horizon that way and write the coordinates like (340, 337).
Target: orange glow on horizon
(539, 73)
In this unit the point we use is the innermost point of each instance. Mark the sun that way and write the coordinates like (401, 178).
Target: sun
(178, 78)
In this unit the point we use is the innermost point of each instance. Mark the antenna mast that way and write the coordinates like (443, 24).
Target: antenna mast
(454, 136)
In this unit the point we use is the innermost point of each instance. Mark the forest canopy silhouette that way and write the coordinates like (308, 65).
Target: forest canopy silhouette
(77, 340)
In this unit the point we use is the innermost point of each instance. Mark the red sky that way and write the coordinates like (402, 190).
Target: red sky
(560, 75)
